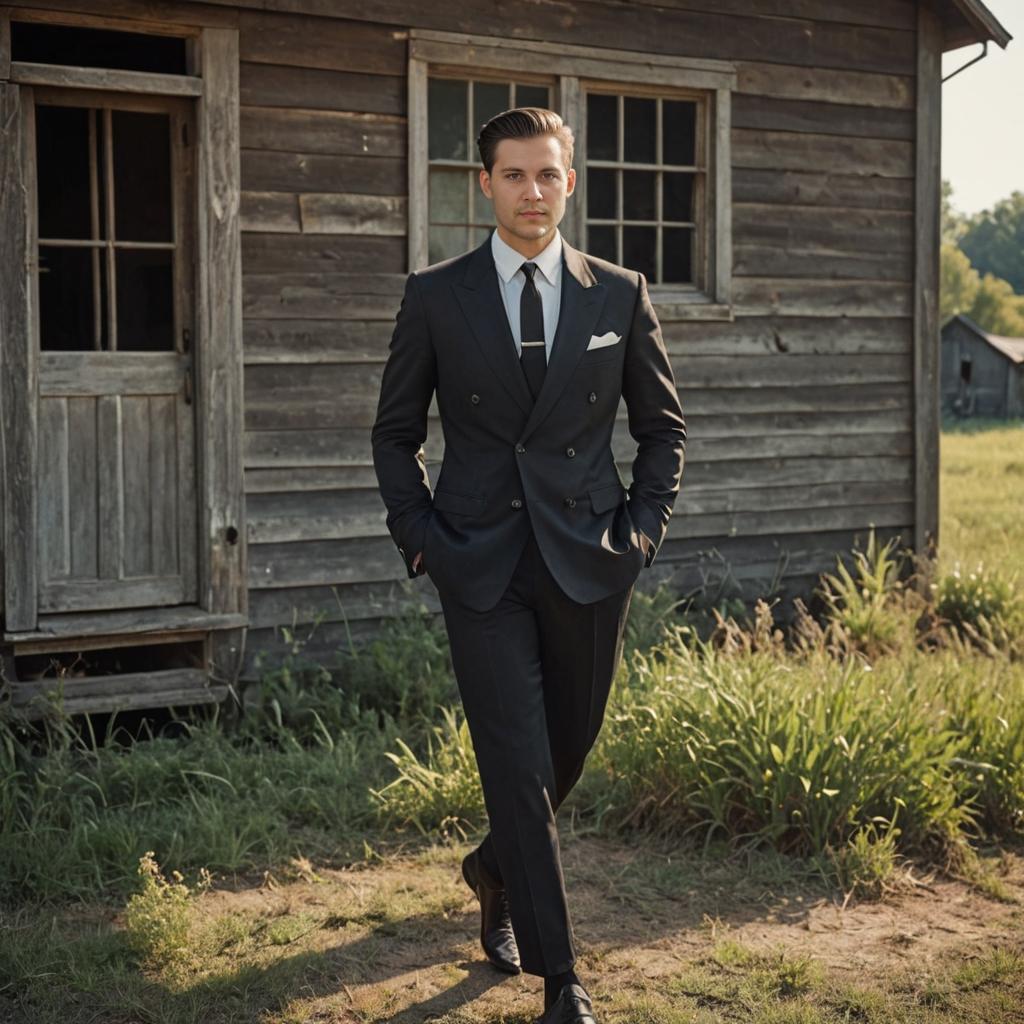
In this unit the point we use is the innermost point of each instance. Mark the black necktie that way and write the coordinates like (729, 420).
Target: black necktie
(531, 330)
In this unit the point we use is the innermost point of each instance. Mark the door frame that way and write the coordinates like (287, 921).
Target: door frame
(213, 82)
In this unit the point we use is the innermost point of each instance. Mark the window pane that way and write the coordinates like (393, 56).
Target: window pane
(601, 193)
(446, 118)
(638, 250)
(677, 201)
(679, 125)
(142, 177)
(677, 254)
(489, 99)
(62, 162)
(445, 242)
(483, 208)
(638, 202)
(145, 303)
(602, 127)
(639, 119)
(480, 235)
(449, 201)
(533, 96)
(601, 242)
(66, 299)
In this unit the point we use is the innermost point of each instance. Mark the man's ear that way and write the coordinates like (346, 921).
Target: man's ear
(570, 182)
(485, 183)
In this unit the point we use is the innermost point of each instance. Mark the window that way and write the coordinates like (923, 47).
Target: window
(653, 170)
(109, 246)
(643, 182)
(460, 216)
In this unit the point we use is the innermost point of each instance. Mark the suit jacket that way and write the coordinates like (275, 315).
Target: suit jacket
(510, 463)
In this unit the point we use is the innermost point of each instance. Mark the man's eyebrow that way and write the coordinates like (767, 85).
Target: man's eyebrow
(519, 170)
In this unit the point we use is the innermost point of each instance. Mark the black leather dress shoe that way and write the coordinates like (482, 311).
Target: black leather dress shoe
(572, 1006)
(496, 935)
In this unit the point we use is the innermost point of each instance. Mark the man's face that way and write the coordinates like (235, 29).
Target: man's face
(528, 186)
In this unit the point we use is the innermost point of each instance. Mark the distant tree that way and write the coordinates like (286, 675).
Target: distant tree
(954, 224)
(994, 241)
(997, 309)
(958, 283)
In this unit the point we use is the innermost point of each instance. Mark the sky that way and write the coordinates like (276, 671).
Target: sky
(983, 117)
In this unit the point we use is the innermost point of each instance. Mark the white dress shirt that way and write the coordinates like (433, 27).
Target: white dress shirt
(511, 281)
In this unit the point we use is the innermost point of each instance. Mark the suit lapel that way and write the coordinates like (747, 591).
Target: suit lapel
(582, 301)
(581, 304)
(480, 299)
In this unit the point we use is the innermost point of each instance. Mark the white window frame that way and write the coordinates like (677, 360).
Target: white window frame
(578, 68)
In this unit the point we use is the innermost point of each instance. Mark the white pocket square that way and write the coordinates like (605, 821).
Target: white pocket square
(599, 341)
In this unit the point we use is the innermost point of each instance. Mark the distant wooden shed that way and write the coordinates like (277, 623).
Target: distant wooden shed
(982, 373)
(207, 212)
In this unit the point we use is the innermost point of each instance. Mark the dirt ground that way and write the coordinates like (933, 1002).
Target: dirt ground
(397, 940)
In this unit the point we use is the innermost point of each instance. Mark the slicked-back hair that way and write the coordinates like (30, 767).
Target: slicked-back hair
(523, 123)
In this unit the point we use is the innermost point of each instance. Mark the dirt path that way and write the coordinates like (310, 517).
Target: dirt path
(397, 941)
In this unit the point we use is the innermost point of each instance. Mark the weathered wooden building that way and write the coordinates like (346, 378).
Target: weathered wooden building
(982, 373)
(206, 214)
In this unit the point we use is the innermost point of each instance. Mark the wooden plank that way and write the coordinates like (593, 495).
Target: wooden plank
(348, 602)
(772, 113)
(82, 483)
(163, 486)
(69, 595)
(145, 82)
(807, 188)
(272, 212)
(308, 478)
(800, 151)
(330, 43)
(418, 165)
(340, 133)
(5, 45)
(315, 341)
(762, 296)
(826, 335)
(19, 305)
(292, 254)
(927, 204)
(767, 260)
(110, 486)
(91, 374)
(139, 623)
(138, 496)
(54, 540)
(266, 171)
(270, 85)
(827, 228)
(347, 214)
(323, 296)
(163, 17)
(219, 377)
(825, 85)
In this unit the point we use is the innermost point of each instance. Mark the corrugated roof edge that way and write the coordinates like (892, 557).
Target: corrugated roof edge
(1012, 348)
(982, 21)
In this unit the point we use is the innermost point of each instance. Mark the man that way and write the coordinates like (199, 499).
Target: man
(531, 539)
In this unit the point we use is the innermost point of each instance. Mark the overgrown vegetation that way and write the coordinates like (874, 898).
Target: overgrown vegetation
(885, 731)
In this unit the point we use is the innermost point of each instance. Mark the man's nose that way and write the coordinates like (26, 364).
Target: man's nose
(533, 190)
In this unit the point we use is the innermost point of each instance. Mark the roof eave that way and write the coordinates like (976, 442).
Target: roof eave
(979, 26)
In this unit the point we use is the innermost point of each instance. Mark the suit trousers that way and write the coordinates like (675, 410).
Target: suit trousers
(534, 673)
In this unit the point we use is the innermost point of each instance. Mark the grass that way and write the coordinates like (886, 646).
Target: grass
(299, 862)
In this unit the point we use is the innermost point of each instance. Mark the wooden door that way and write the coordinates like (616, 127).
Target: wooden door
(116, 471)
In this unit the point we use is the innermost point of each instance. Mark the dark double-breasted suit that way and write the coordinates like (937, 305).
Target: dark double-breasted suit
(529, 534)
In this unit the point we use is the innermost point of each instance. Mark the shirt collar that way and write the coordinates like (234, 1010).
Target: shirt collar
(507, 261)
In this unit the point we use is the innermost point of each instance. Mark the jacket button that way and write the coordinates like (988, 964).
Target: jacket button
(592, 397)
(475, 399)
(517, 503)
(520, 450)
(571, 502)
(571, 452)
